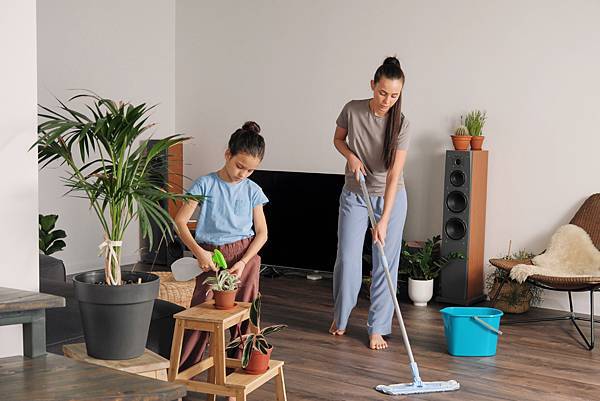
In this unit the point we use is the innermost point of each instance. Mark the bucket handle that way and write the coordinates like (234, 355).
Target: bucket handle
(486, 325)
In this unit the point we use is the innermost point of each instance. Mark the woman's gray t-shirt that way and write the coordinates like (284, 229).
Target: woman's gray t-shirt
(366, 133)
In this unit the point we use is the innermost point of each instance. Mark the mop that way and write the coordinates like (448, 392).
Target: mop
(417, 386)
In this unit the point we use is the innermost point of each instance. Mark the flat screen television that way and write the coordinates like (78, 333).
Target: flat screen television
(302, 218)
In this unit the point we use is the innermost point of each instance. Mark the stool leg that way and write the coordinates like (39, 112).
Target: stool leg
(218, 349)
(211, 379)
(280, 386)
(176, 349)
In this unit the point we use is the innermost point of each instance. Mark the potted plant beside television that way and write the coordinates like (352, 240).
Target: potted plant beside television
(108, 164)
(423, 266)
(256, 349)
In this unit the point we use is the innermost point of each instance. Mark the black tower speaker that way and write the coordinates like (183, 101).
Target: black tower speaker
(166, 171)
(463, 230)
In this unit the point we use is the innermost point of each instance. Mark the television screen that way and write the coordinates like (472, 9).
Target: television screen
(302, 217)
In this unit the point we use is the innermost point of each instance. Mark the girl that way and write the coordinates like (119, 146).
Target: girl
(372, 134)
(232, 206)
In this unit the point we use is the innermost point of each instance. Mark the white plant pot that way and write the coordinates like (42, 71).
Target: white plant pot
(420, 291)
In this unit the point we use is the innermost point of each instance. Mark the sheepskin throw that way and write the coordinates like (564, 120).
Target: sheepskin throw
(571, 253)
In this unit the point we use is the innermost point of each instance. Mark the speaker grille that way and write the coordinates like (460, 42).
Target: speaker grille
(455, 228)
(457, 178)
(456, 201)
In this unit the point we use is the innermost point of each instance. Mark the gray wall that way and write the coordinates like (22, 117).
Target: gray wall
(533, 65)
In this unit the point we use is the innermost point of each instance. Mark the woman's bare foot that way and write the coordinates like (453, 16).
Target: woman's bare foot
(335, 331)
(376, 341)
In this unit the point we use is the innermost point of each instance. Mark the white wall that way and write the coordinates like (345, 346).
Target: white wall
(121, 50)
(19, 200)
(292, 65)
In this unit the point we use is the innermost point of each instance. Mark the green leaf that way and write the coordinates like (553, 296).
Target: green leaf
(255, 311)
(55, 247)
(235, 343)
(247, 352)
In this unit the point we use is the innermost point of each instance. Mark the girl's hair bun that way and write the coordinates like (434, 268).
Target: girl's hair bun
(391, 60)
(251, 126)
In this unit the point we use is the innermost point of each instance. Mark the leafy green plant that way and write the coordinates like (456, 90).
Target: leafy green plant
(50, 240)
(425, 263)
(461, 130)
(514, 293)
(474, 121)
(109, 165)
(223, 281)
(255, 341)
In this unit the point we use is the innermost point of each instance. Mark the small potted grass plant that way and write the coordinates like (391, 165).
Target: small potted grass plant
(474, 121)
(461, 138)
(223, 284)
(256, 349)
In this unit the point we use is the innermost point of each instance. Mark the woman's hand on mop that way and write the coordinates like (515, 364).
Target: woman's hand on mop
(205, 261)
(356, 166)
(238, 268)
(379, 232)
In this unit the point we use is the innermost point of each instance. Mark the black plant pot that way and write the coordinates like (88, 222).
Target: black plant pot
(115, 319)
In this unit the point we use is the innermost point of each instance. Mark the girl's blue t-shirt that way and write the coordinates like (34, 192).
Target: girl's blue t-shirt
(226, 213)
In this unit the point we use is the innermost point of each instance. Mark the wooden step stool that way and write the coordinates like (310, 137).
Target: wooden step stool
(237, 384)
(148, 364)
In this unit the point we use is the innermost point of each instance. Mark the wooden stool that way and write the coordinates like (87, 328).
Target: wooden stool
(148, 364)
(237, 384)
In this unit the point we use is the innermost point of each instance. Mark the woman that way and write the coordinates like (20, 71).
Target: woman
(372, 134)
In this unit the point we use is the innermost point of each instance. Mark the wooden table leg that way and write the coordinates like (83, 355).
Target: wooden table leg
(176, 349)
(240, 396)
(280, 386)
(34, 334)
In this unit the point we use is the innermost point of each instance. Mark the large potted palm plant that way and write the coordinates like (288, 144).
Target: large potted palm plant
(108, 163)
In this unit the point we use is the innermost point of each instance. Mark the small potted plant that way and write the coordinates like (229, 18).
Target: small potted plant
(514, 297)
(223, 284)
(461, 138)
(474, 122)
(256, 349)
(423, 266)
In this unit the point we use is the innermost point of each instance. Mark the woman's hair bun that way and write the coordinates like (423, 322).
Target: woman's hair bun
(391, 60)
(251, 126)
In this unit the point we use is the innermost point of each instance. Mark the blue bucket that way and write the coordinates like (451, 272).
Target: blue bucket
(471, 331)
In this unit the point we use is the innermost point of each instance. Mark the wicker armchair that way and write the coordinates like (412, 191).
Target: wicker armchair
(588, 218)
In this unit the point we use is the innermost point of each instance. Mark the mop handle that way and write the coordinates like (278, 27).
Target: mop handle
(388, 277)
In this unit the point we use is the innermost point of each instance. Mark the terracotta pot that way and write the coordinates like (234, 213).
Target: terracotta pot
(224, 299)
(476, 142)
(461, 142)
(259, 362)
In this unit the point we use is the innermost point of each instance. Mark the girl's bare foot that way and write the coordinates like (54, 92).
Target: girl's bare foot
(230, 398)
(376, 341)
(335, 331)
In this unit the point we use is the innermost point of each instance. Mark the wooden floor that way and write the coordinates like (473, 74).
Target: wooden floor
(544, 361)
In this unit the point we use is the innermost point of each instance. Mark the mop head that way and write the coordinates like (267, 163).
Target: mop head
(413, 388)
